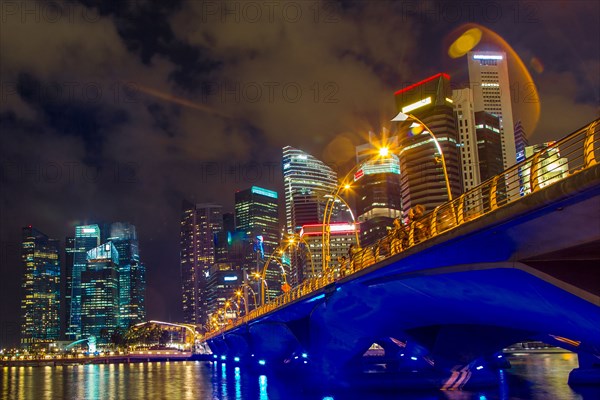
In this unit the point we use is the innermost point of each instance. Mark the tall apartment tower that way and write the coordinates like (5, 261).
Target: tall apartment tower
(200, 225)
(422, 173)
(40, 305)
(488, 77)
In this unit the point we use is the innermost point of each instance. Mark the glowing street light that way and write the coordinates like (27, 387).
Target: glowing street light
(401, 117)
(384, 151)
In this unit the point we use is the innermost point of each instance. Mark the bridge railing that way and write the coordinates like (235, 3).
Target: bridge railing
(552, 163)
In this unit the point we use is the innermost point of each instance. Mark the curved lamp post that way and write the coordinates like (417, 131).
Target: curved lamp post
(344, 184)
(401, 117)
(273, 257)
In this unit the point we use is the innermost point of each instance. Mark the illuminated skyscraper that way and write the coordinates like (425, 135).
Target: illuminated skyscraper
(306, 181)
(87, 237)
(67, 282)
(378, 192)
(488, 78)
(342, 236)
(520, 141)
(224, 279)
(257, 216)
(467, 137)
(100, 293)
(132, 274)
(551, 166)
(422, 176)
(200, 225)
(479, 140)
(40, 305)
(489, 146)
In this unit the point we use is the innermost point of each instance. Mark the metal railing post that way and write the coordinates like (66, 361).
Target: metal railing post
(493, 194)
(535, 171)
(588, 145)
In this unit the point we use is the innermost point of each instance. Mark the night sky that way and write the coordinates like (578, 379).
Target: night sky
(118, 110)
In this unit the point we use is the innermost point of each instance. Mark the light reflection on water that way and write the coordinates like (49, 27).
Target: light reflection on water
(532, 376)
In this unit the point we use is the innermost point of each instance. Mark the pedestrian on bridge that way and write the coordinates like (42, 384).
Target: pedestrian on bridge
(416, 222)
(399, 237)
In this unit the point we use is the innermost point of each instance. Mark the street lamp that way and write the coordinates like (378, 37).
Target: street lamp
(401, 117)
(293, 240)
(326, 233)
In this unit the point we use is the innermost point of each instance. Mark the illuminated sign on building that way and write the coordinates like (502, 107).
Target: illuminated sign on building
(359, 174)
(486, 57)
(230, 278)
(264, 192)
(388, 165)
(88, 230)
(316, 229)
(416, 105)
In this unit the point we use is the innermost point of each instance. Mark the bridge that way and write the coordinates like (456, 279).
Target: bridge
(514, 259)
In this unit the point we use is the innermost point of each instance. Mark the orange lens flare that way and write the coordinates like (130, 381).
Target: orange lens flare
(465, 43)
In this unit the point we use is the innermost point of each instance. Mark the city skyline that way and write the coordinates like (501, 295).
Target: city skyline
(72, 158)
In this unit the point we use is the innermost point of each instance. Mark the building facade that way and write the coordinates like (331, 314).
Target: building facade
(223, 281)
(520, 141)
(67, 285)
(257, 218)
(40, 305)
(551, 167)
(422, 173)
(489, 80)
(200, 224)
(489, 145)
(132, 274)
(306, 181)
(378, 190)
(342, 236)
(87, 237)
(100, 293)
(467, 137)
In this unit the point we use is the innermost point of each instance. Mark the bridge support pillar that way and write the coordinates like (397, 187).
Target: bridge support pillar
(588, 372)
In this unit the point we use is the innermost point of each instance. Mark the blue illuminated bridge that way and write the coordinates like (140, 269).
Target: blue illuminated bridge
(514, 259)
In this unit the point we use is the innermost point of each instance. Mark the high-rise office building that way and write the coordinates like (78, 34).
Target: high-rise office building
(488, 78)
(551, 167)
(467, 137)
(224, 279)
(100, 293)
(67, 287)
(422, 176)
(479, 140)
(228, 242)
(257, 216)
(132, 274)
(200, 224)
(87, 237)
(378, 191)
(520, 141)
(40, 305)
(342, 236)
(306, 181)
(489, 145)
